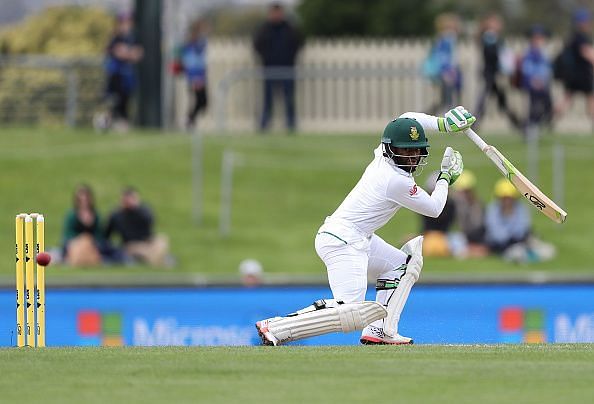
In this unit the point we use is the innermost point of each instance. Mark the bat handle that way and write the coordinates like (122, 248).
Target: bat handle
(476, 139)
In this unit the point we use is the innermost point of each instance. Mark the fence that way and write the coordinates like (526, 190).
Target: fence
(342, 86)
(35, 89)
(345, 85)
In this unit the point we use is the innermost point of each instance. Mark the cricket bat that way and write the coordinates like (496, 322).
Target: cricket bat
(530, 191)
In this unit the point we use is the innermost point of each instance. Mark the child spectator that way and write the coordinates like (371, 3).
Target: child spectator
(193, 62)
(442, 65)
(536, 80)
(122, 54)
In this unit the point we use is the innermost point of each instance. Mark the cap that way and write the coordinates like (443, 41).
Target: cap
(581, 15)
(466, 181)
(504, 188)
(250, 267)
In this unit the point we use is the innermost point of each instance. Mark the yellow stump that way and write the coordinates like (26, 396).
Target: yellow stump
(20, 281)
(29, 281)
(40, 290)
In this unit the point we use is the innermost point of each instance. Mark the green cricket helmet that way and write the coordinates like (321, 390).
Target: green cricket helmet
(405, 133)
(402, 134)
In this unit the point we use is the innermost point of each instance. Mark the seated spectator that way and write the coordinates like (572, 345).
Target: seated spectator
(251, 272)
(435, 230)
(508, 228)
(83, 244)
(133, 223)
(470, 215)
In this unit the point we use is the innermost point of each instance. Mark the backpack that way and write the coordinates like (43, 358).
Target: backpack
(563, 63)
(430, 67)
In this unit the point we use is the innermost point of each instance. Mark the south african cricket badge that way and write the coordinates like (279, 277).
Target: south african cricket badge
(414, 134)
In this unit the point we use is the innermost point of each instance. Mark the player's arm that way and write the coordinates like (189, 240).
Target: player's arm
(405, 192)
(455, 120)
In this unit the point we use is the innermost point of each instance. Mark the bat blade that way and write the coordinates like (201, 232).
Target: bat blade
(530, 191)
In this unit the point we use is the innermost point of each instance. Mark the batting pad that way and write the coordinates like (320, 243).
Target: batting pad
(334, 317)
(414, 248)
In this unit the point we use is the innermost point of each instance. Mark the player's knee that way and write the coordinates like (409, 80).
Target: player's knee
(356, 316)
(414, 267)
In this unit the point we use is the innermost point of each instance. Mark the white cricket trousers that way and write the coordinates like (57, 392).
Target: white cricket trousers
(351, 257)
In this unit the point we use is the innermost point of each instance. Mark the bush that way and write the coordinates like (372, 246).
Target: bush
(60, 31)
(38, 94)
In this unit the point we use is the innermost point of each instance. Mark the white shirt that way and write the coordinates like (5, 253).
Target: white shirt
(384, 189)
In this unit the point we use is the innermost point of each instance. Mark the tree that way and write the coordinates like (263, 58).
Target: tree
(379, 18)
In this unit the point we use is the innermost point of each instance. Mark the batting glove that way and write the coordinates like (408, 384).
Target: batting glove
(458, 119)
(451, 166)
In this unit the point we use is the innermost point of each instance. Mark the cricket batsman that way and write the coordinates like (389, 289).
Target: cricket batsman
(351, 250)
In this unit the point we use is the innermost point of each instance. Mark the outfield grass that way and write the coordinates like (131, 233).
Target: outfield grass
(283, 189)
(416, 374)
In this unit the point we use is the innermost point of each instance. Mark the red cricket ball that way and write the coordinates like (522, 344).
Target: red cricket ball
(43, 259)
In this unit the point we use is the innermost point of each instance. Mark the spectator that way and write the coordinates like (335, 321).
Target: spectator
(251, 272)
(83, 244)
(470, 216)
(133, 222)
(536, 73)
(122, 54)
(193, 62)
(436, 230)
(442, 65)
(575, 65)
(508, 228)
(277, 43)
(496, 61)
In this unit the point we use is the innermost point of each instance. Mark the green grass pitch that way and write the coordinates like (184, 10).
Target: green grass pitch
(415, 374)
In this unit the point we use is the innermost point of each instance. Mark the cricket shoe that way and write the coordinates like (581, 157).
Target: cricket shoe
(375, 336)
(267, 337)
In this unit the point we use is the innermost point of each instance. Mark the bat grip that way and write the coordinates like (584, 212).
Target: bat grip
(476, 139)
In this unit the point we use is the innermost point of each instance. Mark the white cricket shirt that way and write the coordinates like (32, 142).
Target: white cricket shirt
(384, 189)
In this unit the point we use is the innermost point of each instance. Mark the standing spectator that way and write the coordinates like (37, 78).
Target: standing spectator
(83, 244)
(470, 215)
(495, 63)
(133, 222)
(575, 65)
(122, 54)
(442, 65)
(536, 74)
(277, 43)
(193, 62)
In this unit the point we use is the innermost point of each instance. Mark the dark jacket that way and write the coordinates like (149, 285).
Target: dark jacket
(277, 44)
(131, 224)
(582, 71)
(491, 44)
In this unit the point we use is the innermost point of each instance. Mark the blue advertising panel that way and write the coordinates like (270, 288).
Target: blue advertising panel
(464, 314)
